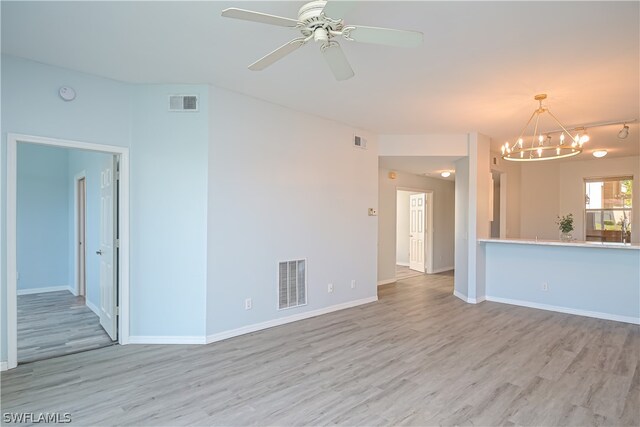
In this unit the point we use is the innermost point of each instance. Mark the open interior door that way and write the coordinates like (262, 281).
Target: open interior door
(107, 252)
(416, 231)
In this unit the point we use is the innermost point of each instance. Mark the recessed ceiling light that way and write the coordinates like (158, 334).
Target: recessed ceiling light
(445, 174)
(599, 153)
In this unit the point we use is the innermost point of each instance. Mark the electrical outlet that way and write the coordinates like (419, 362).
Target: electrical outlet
(373, 212)
(545, 286)
(247, 304)
(330, 288)
(353, 284)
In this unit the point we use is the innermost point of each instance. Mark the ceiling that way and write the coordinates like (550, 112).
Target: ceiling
(478, 69)
(420, 165)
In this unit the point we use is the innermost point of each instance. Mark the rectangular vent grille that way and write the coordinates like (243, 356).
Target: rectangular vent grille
(292, 284)
(359, 142)
(183, 102)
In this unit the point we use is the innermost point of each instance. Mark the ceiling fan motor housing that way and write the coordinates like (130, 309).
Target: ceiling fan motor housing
(314, 22)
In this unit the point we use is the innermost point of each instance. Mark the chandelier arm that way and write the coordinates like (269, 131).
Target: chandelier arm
(535, 130)
(563, 128)
(524, 129)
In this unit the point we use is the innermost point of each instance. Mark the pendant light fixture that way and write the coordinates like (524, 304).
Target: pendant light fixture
(541, 145)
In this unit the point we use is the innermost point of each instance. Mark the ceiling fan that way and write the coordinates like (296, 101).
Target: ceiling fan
(322, 22)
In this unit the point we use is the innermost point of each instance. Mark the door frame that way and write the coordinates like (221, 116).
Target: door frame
(429, 197)
(76, 235)
(123, 218)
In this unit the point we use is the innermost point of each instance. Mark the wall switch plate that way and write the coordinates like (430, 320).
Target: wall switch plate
(330, 287)
(353, 284)
(545, 286)
(248, 304)
(373, 212)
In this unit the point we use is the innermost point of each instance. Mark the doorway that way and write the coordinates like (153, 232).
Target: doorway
(101, 215)
(414, 237)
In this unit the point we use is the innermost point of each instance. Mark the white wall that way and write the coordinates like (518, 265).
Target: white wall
(42, 218)
(461, 278)
(443, 220)
(169, 205)
(285, 185)
(549, 189)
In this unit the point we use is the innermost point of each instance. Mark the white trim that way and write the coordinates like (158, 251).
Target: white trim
(4, 366)
(43, 290)
(146, 339)
(442, 269)
(467, 299)
(388, 281)
(402, 264)
(284, 320)
(567, 310)
(92, 306)
(76, 267)
(123, 214)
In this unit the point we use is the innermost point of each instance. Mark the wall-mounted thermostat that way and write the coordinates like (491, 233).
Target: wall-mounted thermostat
(67, 93)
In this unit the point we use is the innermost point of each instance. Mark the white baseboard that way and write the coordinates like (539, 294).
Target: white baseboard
(4, 366)
(567, 310)
(442, 269)
(92, 306)
(284, 320)
(41, 290)
(141, 339)
(467, 299)
(402, 264)
(387, 282)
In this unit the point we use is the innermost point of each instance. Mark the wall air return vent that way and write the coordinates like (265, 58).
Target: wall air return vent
(359, 142)
(292, 284)
(183, 102)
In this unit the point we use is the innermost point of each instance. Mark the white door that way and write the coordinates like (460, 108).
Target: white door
(82, 275)
(108, 289)
(416, 231)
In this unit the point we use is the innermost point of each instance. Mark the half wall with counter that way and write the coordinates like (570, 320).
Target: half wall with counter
(584, 278)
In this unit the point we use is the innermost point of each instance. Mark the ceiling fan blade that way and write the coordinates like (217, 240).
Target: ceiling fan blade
(338, 63)
(277, 54)
(385, 36)
(249, 15)
(336, 9)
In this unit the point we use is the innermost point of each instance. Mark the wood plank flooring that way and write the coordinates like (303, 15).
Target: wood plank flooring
(52, 324)
(418, 356)
(403, 272)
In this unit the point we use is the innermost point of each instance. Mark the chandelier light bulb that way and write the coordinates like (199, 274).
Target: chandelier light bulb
(624, 133)
(540, 139)
(539, 152)
(520, 142)
(562, 138)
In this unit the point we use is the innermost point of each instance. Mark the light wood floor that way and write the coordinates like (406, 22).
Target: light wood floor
(418, 356)
(403, 272)
(52, 324)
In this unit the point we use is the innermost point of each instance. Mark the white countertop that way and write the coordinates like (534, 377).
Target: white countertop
(575, 243)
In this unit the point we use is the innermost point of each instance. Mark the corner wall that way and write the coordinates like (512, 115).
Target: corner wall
(284, 185)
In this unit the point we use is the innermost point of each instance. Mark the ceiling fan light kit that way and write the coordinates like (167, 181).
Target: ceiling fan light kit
(318, 20)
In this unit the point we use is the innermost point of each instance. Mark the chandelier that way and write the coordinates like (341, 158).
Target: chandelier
(543, 145)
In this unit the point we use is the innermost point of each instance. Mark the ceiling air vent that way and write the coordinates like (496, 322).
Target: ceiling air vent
(292, 284)
(359, 142)
(183, 102)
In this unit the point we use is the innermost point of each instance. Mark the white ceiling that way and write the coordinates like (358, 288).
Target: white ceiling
(429, 166)
(478, 69)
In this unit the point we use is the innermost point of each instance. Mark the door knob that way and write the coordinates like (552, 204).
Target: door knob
(99, 252)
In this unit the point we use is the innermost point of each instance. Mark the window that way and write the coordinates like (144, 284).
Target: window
(608, 209)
